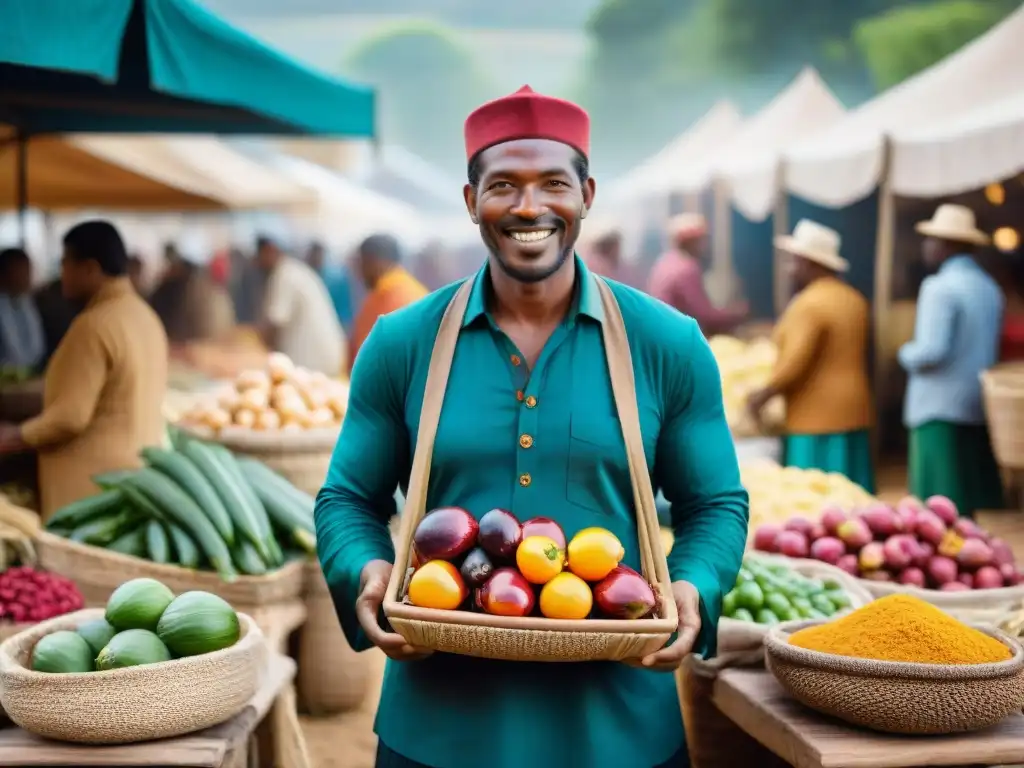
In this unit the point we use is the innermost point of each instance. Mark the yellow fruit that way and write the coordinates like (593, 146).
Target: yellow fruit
(594, 553)
(539, 559)
(667, 539)
(437, 584)
(566, 596)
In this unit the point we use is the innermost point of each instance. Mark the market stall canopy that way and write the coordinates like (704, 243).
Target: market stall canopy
(165, 66)
(964, 153)
(749, 161)
(660, 174)
(845, 163)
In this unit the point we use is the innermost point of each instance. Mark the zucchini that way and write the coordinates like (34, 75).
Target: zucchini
(101, 531)
(185, 549)
(83, 510)
(112, 480)
(272, 554)
(228, 488)
(181, 470)
(248, 559)
(179, 508)
(142, 505)
(157, 545)
(267, 483)
(131, 543)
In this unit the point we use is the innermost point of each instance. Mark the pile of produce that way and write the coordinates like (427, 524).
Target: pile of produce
(902, 628)
(768, 594)
(281, 397)
(926, 545)
(28, 595)
(144, 623)
(198, 506)
(513, 568)
(746, 367)
(779, 493)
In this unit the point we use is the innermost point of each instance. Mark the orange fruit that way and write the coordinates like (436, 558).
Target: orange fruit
(594, 553)
(566, 596)
(437, 584)
(539, 559)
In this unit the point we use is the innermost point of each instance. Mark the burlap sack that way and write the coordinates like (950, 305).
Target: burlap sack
(133, 704)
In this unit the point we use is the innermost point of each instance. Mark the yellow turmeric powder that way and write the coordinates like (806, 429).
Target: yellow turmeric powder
(902, 628)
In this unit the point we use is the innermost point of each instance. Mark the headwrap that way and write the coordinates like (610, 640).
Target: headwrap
(526, 114)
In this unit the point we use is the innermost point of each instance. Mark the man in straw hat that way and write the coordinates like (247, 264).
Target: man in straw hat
(821, 370)
(677, 277)
(956, 337)
(529, 424)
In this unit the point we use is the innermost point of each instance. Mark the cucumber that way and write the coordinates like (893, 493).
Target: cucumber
(259, 474)
(102, 530)
(141, 504)
(185, 549)
(131, 543)
(112, 480)
(179, 508)
(182, 471)
(83, 510)
(248, 559)
(157, 545)
(271, 552)
(230, 492)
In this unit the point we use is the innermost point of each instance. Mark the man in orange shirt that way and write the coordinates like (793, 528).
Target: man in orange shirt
(389, 286)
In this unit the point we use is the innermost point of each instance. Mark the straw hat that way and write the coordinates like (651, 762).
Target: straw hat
(814, 242)
(953, 222)
(686, 226)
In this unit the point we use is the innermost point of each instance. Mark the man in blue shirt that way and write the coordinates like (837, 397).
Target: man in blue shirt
(956, 337)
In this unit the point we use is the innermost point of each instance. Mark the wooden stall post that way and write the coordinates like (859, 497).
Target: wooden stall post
(780, 227)
(884, 260)
(721, 244)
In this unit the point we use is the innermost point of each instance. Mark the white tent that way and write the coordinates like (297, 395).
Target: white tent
(846, 163)
(968, 151)
(663, 173)
(748, 162)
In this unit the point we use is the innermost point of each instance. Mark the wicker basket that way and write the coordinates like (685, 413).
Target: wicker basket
(521, 638)
(1003, 393)
(897, 697)
(133, 704)
(332, 677)
(302, 458)
(98, 572)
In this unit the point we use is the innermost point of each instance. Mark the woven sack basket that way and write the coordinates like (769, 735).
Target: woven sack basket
(525, 638)
(98, 572)
(302, 458)
(897, 697)
(977, 606)
(120, 706)
(332, 677)
(1002, 390)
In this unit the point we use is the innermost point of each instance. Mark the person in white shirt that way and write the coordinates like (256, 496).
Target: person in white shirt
(298, 317)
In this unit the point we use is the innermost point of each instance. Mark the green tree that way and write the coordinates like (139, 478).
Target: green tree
(427, 81)
(904, 41)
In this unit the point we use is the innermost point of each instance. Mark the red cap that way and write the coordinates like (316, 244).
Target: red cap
(527, 114)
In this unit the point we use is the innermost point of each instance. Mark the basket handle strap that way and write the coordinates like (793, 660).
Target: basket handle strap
(620, 371)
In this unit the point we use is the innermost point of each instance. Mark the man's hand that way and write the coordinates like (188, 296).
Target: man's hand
(757, 401)
(671, 656)
(373, 582)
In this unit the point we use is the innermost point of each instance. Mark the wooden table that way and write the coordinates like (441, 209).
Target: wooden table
(227, 745)
(753, 700)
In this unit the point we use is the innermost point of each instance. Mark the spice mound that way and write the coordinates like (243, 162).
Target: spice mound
(902, 628)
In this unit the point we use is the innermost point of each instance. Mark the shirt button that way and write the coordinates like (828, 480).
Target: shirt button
(525, 479)
(519, 395)
(515, 360)
(531, 401)
(525, 441)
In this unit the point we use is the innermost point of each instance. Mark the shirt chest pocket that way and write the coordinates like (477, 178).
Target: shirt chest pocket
(596, 460)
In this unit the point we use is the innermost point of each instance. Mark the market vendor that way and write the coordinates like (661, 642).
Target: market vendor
(529, 425)
(22, 338)
(677, 277)
(956, 337)
(389, 286)
(822, 365)
(105, 385)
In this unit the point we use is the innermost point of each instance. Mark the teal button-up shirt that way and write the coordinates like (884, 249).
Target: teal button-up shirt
(460, 712)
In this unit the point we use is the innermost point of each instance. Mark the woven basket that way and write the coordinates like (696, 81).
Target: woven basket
(1003, 394)
(98, 572)
(897, 697)
(332, 677)
(302, 458)
(154, 701)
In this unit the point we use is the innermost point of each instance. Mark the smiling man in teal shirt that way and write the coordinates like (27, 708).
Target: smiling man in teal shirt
(529, 424)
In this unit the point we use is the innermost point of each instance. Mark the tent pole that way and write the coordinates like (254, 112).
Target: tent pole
(884, 261)
(780, 227)
(22, 192)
